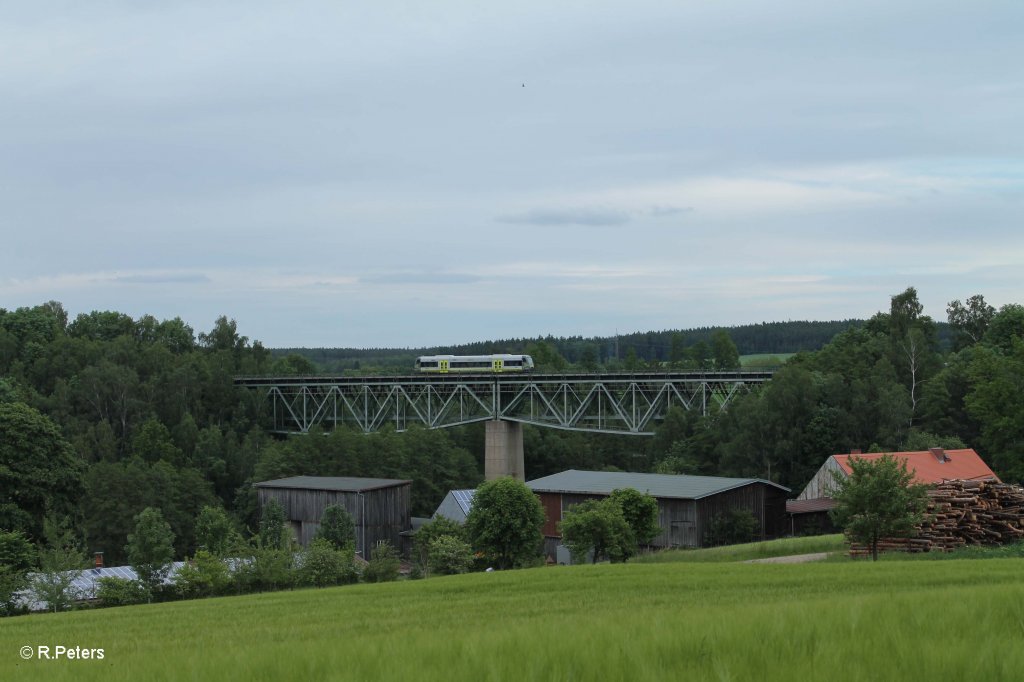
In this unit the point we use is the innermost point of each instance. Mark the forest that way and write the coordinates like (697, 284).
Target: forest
(610, 353)
(103, 415)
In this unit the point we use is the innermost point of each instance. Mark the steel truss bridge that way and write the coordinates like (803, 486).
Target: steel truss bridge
(600, 403)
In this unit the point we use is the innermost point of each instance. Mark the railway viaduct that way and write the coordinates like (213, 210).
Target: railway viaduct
(625, 403)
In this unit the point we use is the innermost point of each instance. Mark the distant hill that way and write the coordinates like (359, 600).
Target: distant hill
(764, 338)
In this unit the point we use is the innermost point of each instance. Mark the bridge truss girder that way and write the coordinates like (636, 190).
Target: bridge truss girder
(616, 403)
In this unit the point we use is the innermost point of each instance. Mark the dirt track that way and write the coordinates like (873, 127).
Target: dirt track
(792, 559)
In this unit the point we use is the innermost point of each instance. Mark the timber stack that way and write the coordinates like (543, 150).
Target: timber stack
(962, 513)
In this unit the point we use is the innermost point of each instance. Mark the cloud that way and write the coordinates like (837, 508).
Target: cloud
(594, 217)
(163, 278)
(420, 278)
(665, 211)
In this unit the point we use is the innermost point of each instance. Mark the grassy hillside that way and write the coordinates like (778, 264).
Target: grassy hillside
(751, 550)
(957, 620)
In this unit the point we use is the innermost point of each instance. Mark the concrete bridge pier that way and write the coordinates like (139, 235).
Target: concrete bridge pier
(503, 450)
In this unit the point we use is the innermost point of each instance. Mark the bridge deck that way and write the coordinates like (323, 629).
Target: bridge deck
(504, 377)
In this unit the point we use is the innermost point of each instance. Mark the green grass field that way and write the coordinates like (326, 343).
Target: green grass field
(913, 620)
(752, 550)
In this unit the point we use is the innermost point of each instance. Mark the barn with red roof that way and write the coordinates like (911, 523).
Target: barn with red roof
(931, 466)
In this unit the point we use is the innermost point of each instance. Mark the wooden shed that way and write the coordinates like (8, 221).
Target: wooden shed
(380, 507)
(686, 504)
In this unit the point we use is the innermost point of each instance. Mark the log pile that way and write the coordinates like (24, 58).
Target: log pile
(962, 513)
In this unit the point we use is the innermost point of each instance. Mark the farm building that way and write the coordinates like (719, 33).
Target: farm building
(686, 504)
(809, 511)
(929, 466)
(456, 505)
(810, 517)
(380, 507)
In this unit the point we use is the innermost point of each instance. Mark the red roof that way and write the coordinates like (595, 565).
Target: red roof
(932, 466)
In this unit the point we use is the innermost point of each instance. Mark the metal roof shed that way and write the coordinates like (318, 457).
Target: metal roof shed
(456, 505)
(686, 504)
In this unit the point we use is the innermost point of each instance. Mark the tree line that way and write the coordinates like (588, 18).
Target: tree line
(653, 348)
(104, 416)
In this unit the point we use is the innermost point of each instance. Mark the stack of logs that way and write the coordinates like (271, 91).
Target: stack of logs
(962, 513)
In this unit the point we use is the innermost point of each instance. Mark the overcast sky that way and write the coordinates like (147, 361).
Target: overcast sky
(427, 173)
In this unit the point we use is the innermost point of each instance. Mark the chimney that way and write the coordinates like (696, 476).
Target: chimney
(98, 560)
(855, 451)
(939, 454)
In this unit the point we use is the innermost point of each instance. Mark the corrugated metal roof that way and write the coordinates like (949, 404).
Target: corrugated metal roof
(84, 586)
(340, 483)
(657, 485)
(464, 498)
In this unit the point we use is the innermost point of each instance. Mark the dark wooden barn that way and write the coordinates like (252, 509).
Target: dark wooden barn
(380, 507)
(686, 504)
(810, 517)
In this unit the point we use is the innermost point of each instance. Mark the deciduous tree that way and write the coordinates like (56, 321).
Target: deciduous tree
(60, 563)
(39, 471)
(150, 548)
(640, 511)
(337, 527)
(970, 319)
(505, 523)
(877, 500)
(597, 528)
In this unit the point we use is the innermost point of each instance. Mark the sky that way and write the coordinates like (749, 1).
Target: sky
(407, 174)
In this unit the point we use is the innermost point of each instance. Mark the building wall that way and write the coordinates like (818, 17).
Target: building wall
(683, 522)
(378, 514)
(767, 504)
(812, 523)
(822, 481)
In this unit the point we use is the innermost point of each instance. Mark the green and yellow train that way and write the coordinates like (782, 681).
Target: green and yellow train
(473, 364)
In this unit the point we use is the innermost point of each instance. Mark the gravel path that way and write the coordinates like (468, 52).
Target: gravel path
(793, 559)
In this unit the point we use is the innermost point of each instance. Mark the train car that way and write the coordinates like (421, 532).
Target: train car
(478, 364)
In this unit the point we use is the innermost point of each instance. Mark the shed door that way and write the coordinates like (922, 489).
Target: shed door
(684, 534)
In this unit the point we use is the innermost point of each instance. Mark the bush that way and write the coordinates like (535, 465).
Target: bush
(448, 555)
(640, 511)
(121, 592)
(16, 558)
(731, 528)
(205, 576)
(597, 528)
(265, 568)
(337, 527)
(323, 565)
(383, 566)
(440, 527)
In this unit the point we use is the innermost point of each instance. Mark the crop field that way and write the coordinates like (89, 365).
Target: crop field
(945, 620)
